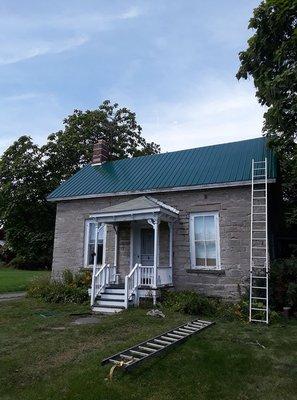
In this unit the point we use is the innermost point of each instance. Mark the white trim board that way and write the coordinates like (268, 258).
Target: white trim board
(159, 190)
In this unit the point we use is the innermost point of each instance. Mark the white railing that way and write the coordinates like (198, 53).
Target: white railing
(102, 277)
(146, 277)
(131, 284)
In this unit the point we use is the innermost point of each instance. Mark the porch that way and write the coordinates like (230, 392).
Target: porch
(142, 263)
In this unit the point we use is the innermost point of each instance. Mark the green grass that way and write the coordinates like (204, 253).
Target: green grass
(16, 280)
(222, 362)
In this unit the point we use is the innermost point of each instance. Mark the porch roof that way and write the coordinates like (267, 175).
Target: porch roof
(144, 207)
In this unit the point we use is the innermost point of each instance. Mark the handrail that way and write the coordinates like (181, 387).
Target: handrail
(131, 283)
(100, 279)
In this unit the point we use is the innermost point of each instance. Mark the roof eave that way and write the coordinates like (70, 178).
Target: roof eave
(159, 190)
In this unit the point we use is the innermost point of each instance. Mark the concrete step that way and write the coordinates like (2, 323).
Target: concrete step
(106, 310)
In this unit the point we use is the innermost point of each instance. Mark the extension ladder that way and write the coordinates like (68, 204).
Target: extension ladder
(258, 305)
(129, 358)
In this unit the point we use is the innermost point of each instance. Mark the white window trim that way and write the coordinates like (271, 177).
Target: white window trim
(192, 240)
(86, 243)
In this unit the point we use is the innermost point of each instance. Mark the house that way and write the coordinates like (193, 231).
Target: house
(180, 220)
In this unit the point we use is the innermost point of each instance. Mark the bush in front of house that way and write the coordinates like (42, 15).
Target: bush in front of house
(283, 284)
(188, 302)
(72, 288)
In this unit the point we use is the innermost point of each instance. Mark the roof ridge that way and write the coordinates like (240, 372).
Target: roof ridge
(180, 151)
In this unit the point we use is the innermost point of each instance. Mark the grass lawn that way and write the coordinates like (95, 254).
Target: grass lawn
(39, 361)
(16, 280)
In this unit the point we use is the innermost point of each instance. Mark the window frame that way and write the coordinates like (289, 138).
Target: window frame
(87, 224)
(214, 214)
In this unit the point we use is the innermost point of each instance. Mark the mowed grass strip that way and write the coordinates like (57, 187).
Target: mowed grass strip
(16, 280)
(44, 356)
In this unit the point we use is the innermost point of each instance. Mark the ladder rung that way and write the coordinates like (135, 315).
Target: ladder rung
(259, 205)
(258, 320)
(258, 309)
(259, 248)
(259, 168)
(174, 336)
(129, 357)
(162, 342)
(138, 353)
(260, 162)
(258, 222)
(260, 190)
(258, 298)
(157, 346)
(259, 197)
(180, 333)
(259, 266)
(172, 340)
(259, 176)
(187, 330)
(259, 287)
(147, 349)
(259, 257)
(259, 277)
(259, 238)
(260, 214)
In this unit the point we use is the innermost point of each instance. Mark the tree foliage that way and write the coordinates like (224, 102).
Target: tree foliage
(271, 59)
(28, 173)
(71, 148)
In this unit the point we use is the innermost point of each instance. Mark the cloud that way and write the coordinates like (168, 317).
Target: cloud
(24, 50)
(224, 113)
(33, 37)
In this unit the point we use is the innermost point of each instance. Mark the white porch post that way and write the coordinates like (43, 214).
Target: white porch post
(93, 289)
(116, 246)
(96, 245)
(155, 224)
(170, 226)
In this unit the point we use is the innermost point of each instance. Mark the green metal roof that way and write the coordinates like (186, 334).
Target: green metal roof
(210, 165)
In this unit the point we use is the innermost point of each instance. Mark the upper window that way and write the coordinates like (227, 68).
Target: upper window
(205, 242)
(90, 228)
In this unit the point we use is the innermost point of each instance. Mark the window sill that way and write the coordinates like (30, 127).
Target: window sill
(206, 271)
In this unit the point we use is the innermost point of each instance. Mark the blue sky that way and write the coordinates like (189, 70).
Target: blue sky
(172, 62)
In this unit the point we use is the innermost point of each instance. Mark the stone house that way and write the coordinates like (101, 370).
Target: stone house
(180, 219)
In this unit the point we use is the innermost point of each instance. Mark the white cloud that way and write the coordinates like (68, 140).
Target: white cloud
(24, 38)
(223, 113)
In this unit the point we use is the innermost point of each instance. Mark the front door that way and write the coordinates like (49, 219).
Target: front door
(146, 246)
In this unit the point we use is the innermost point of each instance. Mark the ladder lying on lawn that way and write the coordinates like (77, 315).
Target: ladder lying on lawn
(133, 356)
(258, 307)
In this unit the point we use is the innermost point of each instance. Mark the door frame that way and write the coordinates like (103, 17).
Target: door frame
(135, 241)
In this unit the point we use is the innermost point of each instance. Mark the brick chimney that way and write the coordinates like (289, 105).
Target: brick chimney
(100, 152)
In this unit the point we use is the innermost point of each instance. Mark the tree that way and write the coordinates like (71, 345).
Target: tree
(29, 173)
(271, 60)
(71, 148)
(27, 218)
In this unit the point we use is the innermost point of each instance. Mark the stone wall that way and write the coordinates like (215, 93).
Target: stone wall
(233, 205)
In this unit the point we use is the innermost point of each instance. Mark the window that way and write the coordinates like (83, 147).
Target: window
(205, 242)
(90, 228)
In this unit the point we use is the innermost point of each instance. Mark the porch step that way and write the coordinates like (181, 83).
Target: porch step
(106, 309)
(111, 300)
(129, 358)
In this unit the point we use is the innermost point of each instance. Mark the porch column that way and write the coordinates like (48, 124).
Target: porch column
(116, 244)
(170, 226)
(155, 224)
(96, 245)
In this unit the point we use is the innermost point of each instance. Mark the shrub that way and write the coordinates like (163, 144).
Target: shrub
(19, 262)
(283, 283)
(73, 288)
(188, 302)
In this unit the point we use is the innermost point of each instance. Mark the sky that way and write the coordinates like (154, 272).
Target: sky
(172, 62)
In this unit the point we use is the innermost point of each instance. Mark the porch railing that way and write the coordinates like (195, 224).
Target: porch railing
(131, 284)
(102, 277)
